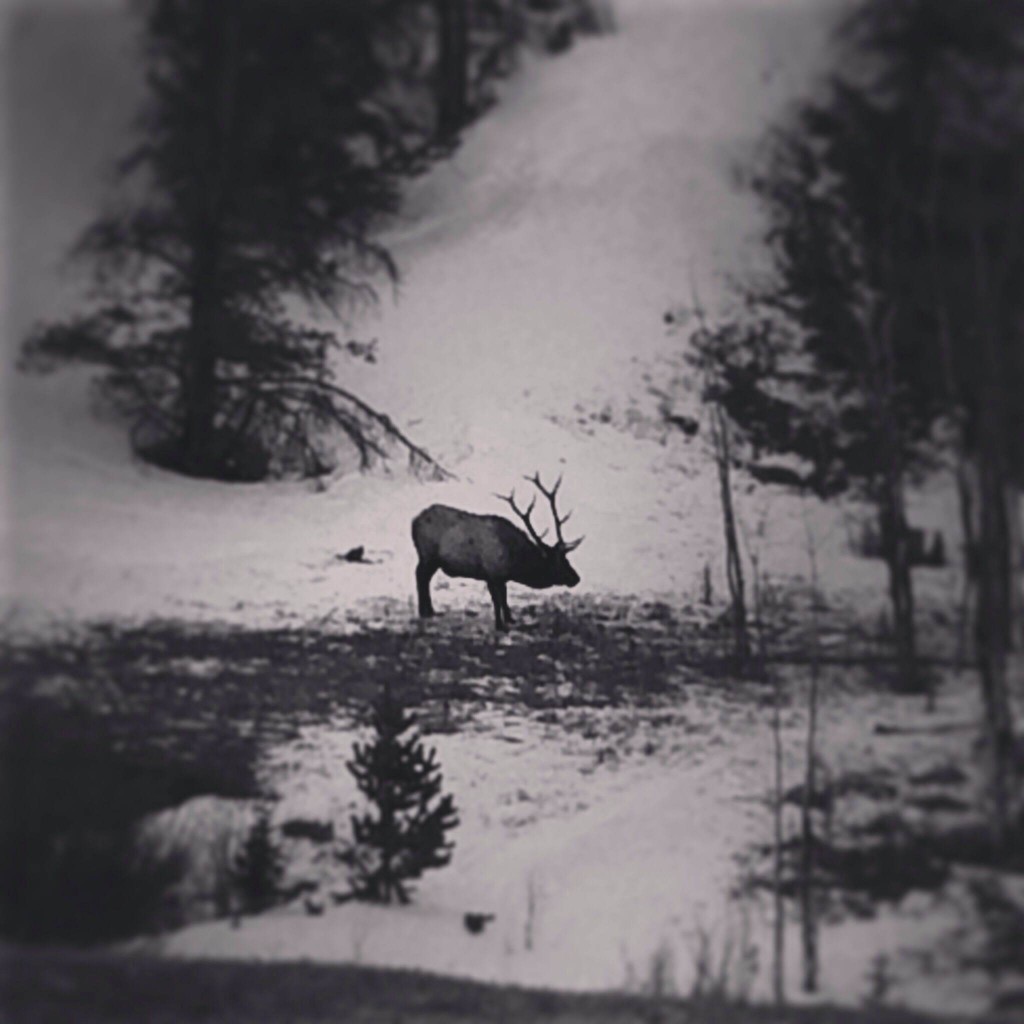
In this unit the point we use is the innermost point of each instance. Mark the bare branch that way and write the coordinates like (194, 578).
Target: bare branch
(416, 453)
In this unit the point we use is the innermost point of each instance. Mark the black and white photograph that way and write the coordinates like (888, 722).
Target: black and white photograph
(511, 510)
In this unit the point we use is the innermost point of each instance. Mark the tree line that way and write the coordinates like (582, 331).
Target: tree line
(885, 340)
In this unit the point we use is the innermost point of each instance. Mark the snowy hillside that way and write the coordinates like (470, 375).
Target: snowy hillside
(537, 266)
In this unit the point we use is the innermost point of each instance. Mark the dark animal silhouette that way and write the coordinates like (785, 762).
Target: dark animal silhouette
(490, 548)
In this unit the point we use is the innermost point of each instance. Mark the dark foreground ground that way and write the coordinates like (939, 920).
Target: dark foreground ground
(113, 721)
(46, 988)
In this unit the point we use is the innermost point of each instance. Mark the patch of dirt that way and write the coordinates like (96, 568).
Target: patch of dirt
(207, 694)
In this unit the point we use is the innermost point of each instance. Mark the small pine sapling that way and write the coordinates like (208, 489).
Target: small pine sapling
(404, 833)
(258, 867)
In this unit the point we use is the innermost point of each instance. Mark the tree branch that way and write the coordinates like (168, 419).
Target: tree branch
(381, 419)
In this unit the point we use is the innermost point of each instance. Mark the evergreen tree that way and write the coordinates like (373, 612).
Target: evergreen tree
(268, 154)
(258, 867)
(404, 835)
(833, 198)
(833, 366)
(952, 73)
(760, 371)
(894, 206)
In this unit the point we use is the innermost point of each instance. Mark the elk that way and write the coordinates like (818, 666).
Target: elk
(492, 549)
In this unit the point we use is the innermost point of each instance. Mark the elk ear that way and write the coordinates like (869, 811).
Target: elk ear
(573, 545)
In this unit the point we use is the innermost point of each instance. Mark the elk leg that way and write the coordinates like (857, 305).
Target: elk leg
(500, 598)
(424, 574)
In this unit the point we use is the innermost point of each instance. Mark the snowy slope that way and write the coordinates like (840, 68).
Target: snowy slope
(537, 265)
(587, 864)
(608, 844)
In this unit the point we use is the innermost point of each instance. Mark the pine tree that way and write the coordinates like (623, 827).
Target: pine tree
(258, 867)
(404, 834)
(894, 205)
(267, 155)
(952, 71)
(827, 364)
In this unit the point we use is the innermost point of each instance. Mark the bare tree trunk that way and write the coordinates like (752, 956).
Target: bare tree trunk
(779, 929)
(722, 451)
(992, 633)
(995, 572)
(965, 495)
(954, 397)
(880, 380)
(779, 906)
(1016, 568)
(995, 586)
(733, 561)
(895, 530)
(808, 909)
(895, 544)
(199, 373)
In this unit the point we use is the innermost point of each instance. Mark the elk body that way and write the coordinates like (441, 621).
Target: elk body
(490, 548)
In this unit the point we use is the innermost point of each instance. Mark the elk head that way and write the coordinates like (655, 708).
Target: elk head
(554, 557)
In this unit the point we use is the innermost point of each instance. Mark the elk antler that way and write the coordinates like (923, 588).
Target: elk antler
(560, 521)
(538, 538)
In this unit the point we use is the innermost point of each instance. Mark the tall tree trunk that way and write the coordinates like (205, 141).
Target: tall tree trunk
(891, 502)
(1015, 641)
(896, 546)
(808, 906)
(779, 915)
(955, 404)
(733, 560)
(766, 673)
(199, 391)
(882, 384)
(965, 488)
(219, 56)
(995, 587)
(992, 634)
(452, 71)
(995, 570)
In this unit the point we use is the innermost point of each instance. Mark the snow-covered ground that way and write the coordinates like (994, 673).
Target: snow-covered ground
(537, 265)
(611, 847)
